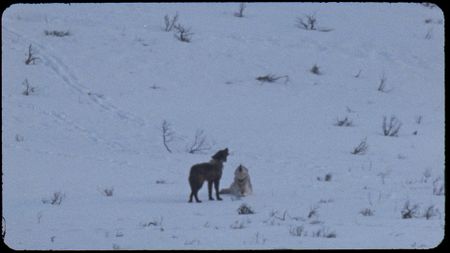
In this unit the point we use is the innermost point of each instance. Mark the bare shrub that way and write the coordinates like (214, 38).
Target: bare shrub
(56, 199)
(155, 87)
(161, 181)
(270, 78)
(431, 212)
(31, 59)
(274, 217)
(361, 149)
(170, 22)
(199, 145)
(154, 223)
(358, 74)
(108, 192)
(309, 22)
(182, 34)
(382, 85)
(315, 70)
(324, 233)
(383, 175)
(28, 88)
(409, 211)
(438, 187)
(326, 178)
(392, 128)
(245, 209)
(419, 119)
(344, 122)
(57, 33)
(313, 212)
(167, 135)
(367, 212)
(19, 138)
(297, 231)
(240, 13)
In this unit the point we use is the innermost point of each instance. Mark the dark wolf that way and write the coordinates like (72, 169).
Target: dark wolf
(211, 172)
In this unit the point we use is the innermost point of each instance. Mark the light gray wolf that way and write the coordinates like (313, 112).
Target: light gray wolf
(211, 172)
(241, 186)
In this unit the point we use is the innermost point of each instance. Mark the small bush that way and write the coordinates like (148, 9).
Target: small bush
(155, 223)
(245, 209)
(344, 122)
(19, 138)
(315, 70)
(325, 233)
(182, 34)
(297, 231)
(269, 78)
(392, 128)
(170, 22)
(382, 85)
(56, 199)
(438, 187)
(419, 119)
(167, 134)
(240, 13)
(313, 212)
(429, 34)
(199, 145)
(57, 33)
(309, 22)
(409, 212)
(28, 88)
(326, 178)
(361, 149)
(367, 212)
(431, 212)
(108, 192)
(31, 59)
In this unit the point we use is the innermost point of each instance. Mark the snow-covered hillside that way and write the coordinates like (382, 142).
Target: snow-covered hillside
(86, 89)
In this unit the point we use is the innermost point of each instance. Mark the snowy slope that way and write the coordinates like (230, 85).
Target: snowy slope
(102, 93)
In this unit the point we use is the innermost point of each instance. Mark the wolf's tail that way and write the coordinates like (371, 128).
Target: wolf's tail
(225, 191)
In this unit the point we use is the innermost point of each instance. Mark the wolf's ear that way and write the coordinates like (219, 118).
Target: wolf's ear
(226, 150)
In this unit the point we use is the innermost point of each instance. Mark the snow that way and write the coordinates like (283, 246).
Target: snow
(102, 92)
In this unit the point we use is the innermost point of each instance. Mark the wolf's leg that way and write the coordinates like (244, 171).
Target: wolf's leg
(210, 183)
(195, 187)
(216, 186)
(196, 197)
(190, 197)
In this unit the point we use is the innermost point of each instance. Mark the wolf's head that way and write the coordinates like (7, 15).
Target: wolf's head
(241, 172)
(221, 155)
